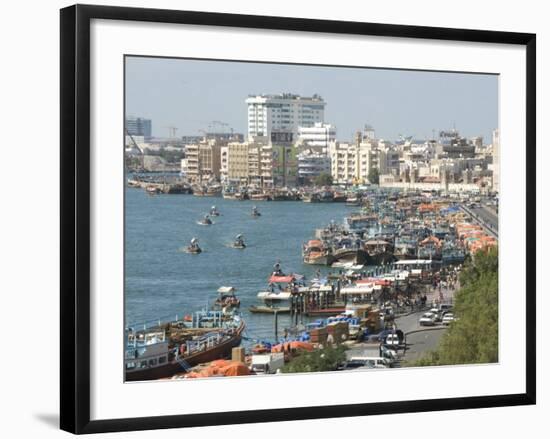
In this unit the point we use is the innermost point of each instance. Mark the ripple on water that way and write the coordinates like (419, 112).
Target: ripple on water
(162, 279)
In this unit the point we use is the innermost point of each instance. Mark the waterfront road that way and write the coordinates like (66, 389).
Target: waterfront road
(485, 217)
(488, 215)
(421, 342)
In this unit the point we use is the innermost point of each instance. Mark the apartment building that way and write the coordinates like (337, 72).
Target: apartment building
(203, 161)
(317, 137)
(283, 113)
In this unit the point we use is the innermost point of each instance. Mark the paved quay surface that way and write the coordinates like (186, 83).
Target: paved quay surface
(487, 218)
(419, 339)
(421, 342)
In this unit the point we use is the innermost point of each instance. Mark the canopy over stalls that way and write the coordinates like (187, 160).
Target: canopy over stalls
(357, 290)
(281, 279)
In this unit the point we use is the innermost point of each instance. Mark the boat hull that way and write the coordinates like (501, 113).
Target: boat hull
(269, 309)
(381, 258)
(358, 256)
(319, 260)
(223, 350)
(325, 311)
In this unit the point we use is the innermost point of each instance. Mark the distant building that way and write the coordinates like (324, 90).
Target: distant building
(368, 132)
(452, 145)
(186, 140)
(203, 161)
(282, 114)
(284, 165)
(223, 136)
(311, 164)
(351, 163)
(318, 137)
(496, 160)
(131, 141)
(388, 159)
(139, 126)
(234, 163)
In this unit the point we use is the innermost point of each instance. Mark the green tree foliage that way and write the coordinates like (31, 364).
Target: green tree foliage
(323, 179)
(374, 176)
(320, 360)
(473, 338)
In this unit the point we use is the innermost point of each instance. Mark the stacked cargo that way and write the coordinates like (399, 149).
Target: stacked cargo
(318, 335)
(339, 331)
(475, 239)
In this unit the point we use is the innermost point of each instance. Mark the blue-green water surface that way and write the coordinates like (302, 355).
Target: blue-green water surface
(162, 280)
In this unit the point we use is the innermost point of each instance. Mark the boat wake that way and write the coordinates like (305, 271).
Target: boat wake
(186, 250)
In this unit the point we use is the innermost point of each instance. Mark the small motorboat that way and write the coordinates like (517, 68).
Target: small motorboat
(206, 221)
(193, 247)
(239, 242)
(227, 299)
(255, 212)
(153, 190)
(214, 211)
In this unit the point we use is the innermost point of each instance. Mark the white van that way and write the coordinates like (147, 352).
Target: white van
(373, 362)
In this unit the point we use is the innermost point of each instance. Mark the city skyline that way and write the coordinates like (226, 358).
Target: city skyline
(192, 94)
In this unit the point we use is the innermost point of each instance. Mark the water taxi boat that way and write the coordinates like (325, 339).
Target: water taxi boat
(193, 247)
(353, 200)
(239, 242)
(206, 221)
(226, 299)
(214, 211)
(153, 190)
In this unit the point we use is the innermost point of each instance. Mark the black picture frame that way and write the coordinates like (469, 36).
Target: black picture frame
(75, 217)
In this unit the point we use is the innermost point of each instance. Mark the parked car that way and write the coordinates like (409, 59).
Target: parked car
(388, 353)
(392, 341)
(358, 363)
(383, 334)
(437, 313)
(427, 319)
(373, 362)
(352, 364)
(448, 318)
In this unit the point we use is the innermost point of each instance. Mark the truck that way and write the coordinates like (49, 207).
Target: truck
(262, 364)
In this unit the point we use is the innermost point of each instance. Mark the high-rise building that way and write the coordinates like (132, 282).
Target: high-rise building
(278, 117)
(138, 126)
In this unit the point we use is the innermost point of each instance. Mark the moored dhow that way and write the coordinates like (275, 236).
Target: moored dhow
(316, 253)
(165, 349)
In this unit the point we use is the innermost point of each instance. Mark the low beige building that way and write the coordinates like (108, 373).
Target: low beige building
(203, 161)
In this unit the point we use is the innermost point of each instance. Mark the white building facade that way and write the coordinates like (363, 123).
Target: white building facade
(318, 137)
(269, 115)
(311, 164)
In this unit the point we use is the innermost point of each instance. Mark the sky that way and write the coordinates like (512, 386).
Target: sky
(190, 94)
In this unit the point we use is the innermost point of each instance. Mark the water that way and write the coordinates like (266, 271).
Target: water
(162, 280)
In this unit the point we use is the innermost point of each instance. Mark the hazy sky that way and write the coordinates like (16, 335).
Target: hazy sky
(189, 94)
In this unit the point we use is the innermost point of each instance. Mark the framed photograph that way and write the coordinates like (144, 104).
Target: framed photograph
(274, 218)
